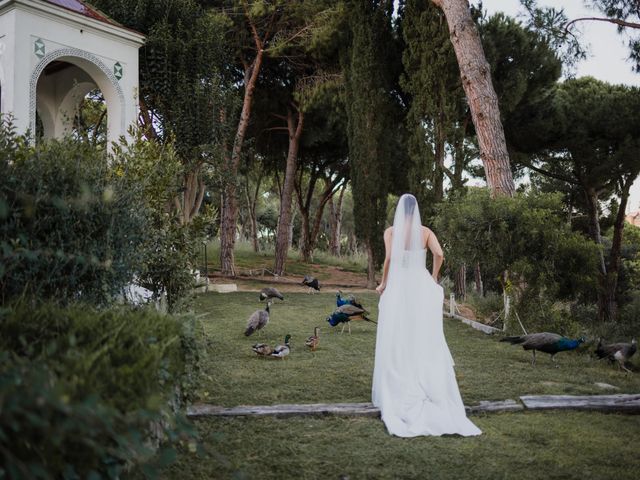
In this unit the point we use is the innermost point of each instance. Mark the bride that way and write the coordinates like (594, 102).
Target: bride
(414, 384)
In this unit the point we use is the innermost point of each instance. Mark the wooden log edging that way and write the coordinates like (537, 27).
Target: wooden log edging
(621, 403)
(603, 403)
(284, 410)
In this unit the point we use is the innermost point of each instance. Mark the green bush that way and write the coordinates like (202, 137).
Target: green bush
(68, 229)
(169, 249)
(81, 389)
(77, 224)
(127, 357)
(529, 237)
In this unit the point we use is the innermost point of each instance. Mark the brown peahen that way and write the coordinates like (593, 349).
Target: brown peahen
(268, 293)
(258, 320)
(617, 352)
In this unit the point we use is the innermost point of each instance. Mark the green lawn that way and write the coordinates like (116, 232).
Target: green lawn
(522, 445)
(340, 371)
(513, 446)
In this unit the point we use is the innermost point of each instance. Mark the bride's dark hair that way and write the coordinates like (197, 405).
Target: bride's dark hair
(409, 204)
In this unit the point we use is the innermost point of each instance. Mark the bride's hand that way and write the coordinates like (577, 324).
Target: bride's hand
(380, 288)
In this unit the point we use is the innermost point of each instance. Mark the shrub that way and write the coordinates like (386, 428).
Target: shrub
(68, 230)
(78, 225)
(529, 237)
(81, 389)
(126, 357)
(169, 249)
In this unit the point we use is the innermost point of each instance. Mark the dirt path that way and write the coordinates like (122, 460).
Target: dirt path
(331, 278)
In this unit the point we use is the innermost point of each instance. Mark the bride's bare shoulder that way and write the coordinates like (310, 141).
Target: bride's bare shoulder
(388, 231)
(426, 232)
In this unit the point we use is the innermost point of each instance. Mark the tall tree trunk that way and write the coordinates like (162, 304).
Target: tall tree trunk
(591, 196)
(335, 222)
(188, 205)
(305, 254)
(439, 154)
(252, 200)
(483, 101)
(295, 122)
(477, 274)
(230, 210)
(371, 267)
(293, 219)
(610, 303)
(461, 282)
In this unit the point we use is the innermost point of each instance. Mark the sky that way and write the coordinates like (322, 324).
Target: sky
(607, 57)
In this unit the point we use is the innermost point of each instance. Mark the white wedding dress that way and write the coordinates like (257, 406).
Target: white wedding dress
(414, 383)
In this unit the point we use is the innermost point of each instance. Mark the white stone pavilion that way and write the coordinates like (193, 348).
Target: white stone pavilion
(53, 52)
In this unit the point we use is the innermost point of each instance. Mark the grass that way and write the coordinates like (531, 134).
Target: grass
(522, 445)
(513, 446)
(246, 258)
(340, 371)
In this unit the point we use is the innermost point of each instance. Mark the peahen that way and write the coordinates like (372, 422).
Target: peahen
(617, 352)
(350, 300)
(268, 293)
(345, 314)
(312, 283)
(546, 342)
(258, 320)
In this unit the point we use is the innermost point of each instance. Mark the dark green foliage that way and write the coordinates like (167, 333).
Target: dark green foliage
(526, 235)
(183, 77)
(370, 113)
(78, 225)
(170, 247)
(88, 394)
(125, 357)
(524, 71)
(437, 105)
(69, 229)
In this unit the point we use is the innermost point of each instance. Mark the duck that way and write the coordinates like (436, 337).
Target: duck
(314, 340)
(281, 351)
(262, 349)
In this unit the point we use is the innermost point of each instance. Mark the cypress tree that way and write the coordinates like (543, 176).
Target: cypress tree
(370, 111)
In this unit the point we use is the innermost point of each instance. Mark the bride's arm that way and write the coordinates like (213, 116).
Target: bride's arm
(438, 255)
(387, 258)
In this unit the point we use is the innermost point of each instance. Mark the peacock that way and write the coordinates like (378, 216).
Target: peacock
(258, 320)
(282, 351)
(617, 352)
(345, 314)
(546, 342)
(312, 283)
(268, 293)
(313, 341)
(350, 300)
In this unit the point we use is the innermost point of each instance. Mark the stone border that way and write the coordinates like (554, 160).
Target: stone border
(622, 403)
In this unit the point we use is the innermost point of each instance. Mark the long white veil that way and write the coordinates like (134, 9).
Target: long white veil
(407, 244)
